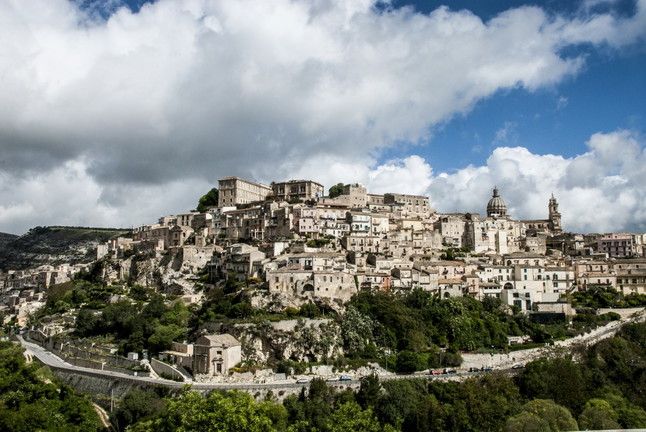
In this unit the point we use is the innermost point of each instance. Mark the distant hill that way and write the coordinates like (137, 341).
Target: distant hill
(53, 245)
(6, 238)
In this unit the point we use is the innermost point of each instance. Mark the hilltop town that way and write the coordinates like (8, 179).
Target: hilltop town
(289, 248)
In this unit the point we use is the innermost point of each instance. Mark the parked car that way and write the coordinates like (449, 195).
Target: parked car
(518, 366)
(436, 372)
(302, 381)
(486, 368)
(345, 378)
(474, 369)
(449, 371)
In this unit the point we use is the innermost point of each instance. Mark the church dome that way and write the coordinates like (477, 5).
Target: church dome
(496, 205)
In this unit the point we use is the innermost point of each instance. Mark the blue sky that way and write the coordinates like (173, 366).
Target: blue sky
(608, 94)
(114, 116)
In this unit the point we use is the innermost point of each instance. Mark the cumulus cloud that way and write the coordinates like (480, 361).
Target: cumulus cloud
(186, 91)
(69, 196)
(600, 190)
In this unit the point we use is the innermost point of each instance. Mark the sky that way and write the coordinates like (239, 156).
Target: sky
(114, 113)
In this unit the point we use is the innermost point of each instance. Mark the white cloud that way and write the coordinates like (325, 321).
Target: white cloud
(186, 91)
(600, 190)
(69, 196)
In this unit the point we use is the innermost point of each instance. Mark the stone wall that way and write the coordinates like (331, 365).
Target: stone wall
(166, 371)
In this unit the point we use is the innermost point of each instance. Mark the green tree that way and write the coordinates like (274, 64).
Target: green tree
(87, 322)
(356, 331)
(336, 190)
(350, 417)
(210, 199)
(630, 416)
(598, 414)
(408, 362)
(218, 412)
(527, 422)
(31, 402)
(559, 379)
(136, 405)
(163, 337)
(542, 414)
(369, 392)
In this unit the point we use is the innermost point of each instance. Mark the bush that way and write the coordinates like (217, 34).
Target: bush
(408, 362)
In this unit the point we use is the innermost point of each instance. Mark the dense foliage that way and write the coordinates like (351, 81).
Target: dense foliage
(604, 390)
(73, 294)
(137, 405)
(29, 401)
(606, 297)
(421, 330)
(232, 303)
(209, 199)
(138, 326)
(335, 190)
(403, 332)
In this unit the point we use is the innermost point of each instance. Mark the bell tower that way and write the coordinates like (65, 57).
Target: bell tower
(554, 215)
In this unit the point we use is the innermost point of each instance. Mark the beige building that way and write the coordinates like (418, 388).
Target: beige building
(294, 190)
(234, 191)
(452, 228)
(632, 282)
(307, 284)
(353, 196)
(417, 205)
(616, 245)
(216, 354)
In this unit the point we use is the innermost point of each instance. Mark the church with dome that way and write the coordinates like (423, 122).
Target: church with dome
(496, 206)
(498, 232)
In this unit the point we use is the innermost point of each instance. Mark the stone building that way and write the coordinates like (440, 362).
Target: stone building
(551, 225)
(353, 196)
(618, 245)
(294, 190)
(240, 261)
(417, 205)
(297, 283)
(499, 234)
(452, 228)
(235, 191)
(216, 354)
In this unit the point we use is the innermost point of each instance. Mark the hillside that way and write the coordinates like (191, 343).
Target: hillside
(6, 238)
(53, 245)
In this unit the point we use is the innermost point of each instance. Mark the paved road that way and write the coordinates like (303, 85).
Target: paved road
(56, 362)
